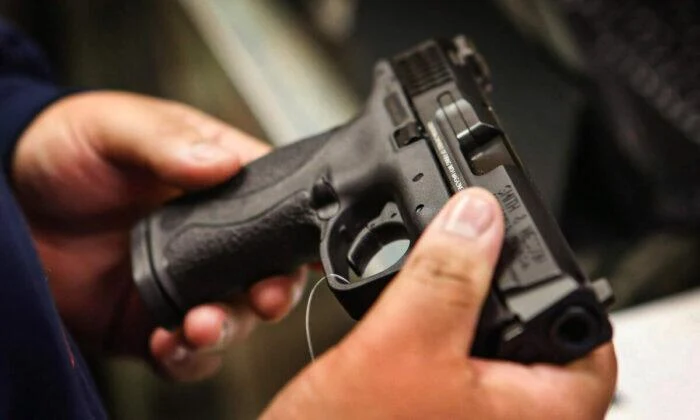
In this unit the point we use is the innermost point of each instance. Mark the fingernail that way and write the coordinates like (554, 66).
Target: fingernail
(470, 217)
(229, 329)
(179, 355)
(297, 293)
(206, 151)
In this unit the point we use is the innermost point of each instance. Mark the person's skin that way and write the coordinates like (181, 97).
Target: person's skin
(407, 358)
(84, 171)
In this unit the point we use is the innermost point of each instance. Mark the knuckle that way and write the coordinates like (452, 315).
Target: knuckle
(458, 279)
(437, 268)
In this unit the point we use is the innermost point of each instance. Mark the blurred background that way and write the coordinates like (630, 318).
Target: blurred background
(601, 98)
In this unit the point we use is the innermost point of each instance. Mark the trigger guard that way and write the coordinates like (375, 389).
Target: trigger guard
(370, 241)
(357, 297)
(386, 228)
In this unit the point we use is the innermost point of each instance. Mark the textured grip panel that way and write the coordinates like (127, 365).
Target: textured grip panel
(208, 262)
(277, 166)
(209, 245)
(258, 175)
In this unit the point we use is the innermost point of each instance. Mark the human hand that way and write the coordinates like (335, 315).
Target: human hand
(85, 171)
(408, 357)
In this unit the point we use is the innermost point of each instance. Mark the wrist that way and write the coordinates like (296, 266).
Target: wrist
(21, 100)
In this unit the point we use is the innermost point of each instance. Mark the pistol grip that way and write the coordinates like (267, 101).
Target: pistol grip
(212, 244)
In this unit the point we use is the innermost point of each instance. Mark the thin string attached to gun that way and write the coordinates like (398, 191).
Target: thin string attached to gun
(308, 310)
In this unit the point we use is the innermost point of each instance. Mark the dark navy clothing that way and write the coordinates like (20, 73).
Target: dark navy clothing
(42, 375)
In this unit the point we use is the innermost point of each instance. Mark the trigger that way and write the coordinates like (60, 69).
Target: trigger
(381, 231)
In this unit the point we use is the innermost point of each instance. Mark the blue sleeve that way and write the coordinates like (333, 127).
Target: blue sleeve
(42, 374)
(26, 87)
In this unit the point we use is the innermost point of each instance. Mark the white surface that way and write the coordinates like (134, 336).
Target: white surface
(658, 347)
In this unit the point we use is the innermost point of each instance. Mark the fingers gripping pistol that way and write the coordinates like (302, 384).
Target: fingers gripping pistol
(427, 132)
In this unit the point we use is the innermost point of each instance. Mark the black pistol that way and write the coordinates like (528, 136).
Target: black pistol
(427, 131)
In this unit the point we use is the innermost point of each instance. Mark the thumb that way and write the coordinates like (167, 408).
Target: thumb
(436, 299)
(170, 141)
